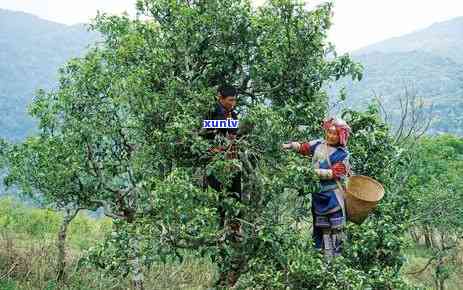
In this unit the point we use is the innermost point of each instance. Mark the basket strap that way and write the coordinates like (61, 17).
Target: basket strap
(337, 182)
(329, 163)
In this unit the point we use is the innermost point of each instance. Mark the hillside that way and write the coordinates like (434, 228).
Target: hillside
(32, 51)
(428, 63)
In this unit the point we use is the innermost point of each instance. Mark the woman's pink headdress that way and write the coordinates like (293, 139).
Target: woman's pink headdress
(341, 127)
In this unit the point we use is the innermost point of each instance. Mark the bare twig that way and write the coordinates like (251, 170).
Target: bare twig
(436, 256)
(10, 270)
(108, 209)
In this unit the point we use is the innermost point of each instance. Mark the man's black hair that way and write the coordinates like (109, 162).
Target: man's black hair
(227, 91)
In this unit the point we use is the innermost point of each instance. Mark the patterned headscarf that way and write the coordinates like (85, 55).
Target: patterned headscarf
(341, 127)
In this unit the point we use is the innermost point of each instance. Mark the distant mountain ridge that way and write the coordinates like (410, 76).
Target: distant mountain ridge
(428, 63)
(32, 51)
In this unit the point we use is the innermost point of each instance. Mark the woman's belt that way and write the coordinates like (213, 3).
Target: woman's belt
(328, 187)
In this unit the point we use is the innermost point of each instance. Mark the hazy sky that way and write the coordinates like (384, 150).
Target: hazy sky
(356, 22)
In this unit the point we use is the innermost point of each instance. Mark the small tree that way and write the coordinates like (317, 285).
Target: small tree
(44, 168)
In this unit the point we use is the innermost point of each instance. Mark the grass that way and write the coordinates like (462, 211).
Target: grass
(31, 266)
(28, 257)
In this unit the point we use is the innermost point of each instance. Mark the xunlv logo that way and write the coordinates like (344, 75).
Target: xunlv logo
(229, 123)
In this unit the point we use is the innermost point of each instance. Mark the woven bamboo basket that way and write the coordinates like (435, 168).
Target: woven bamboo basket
(361, 197)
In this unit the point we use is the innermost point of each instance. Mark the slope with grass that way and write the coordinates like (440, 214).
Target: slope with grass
(427, 63)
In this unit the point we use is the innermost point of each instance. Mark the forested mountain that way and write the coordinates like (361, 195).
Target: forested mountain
(32, 49)
(428, 63)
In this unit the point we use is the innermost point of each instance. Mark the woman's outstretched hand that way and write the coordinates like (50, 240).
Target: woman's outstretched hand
(286, 146)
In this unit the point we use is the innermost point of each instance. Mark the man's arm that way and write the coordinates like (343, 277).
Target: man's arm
(207, 133)
(210, 133)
